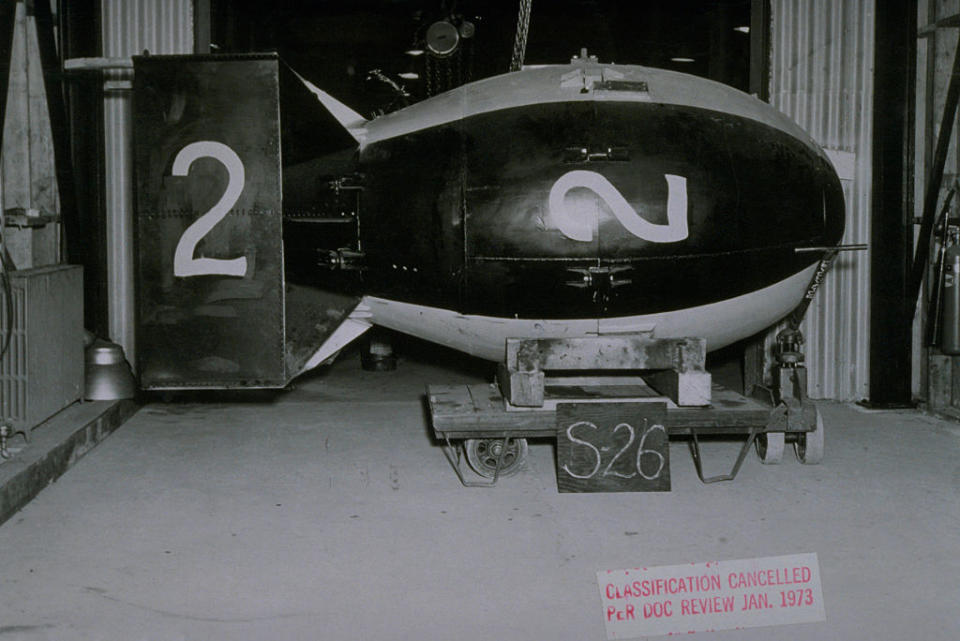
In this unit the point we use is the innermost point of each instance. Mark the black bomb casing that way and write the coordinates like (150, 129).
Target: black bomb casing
(588, 198)
(557, 201)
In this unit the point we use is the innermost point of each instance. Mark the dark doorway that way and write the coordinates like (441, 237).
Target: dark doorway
(336, 45)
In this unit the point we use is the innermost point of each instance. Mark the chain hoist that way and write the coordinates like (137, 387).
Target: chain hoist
(520, 41)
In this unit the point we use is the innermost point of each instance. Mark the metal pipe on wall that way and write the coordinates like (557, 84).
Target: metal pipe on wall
(129, 28)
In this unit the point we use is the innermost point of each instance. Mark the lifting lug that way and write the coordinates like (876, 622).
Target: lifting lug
(598, 276)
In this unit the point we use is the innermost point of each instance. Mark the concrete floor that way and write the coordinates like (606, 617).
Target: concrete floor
(327, 512)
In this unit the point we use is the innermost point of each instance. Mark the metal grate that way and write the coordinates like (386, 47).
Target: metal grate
(42, 372)
(13, 367)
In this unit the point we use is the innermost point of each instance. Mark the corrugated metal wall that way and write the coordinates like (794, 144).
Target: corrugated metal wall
(822, 77)
(129, 28)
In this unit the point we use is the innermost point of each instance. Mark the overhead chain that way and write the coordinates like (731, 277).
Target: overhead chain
(448, 64)
(458, 68)
(520, 41)
(429, 71)
(469, 76)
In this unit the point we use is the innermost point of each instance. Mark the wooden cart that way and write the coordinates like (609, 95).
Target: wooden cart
(489, 424)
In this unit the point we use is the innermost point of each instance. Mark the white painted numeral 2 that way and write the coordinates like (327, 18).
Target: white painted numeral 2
(184, 264)
(575, 226)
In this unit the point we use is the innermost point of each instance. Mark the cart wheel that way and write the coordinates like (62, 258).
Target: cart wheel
(809, 445)
(482, 455)
(770, 447)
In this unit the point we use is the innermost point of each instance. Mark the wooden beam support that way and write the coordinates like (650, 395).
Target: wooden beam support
(524, 389)
(614, 352)
(686, 389)
(948, 22)
(675, 365)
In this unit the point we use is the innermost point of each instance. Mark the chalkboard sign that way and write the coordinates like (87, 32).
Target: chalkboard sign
(612, 447)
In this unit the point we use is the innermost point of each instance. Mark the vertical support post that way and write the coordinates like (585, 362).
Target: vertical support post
(57, 112)
(891, 243)
(754, 363)
(118, 183)
(80, 37)
(754, 358)
(119, 220)
(760, 49)
(8, 21)
(201, 26)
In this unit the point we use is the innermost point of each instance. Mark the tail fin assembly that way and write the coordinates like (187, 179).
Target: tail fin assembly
(215, 305)
(354, 123)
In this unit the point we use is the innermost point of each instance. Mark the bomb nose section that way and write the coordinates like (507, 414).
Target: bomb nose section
(609, 208)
